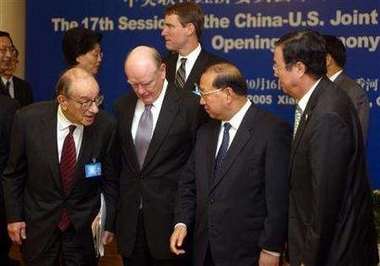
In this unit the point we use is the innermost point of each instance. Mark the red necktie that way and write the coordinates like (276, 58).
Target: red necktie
(67, 167)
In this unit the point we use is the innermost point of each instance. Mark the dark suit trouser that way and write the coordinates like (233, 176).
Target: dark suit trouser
(5, 242)
(209, 261)
(141, 255)
(66, 249)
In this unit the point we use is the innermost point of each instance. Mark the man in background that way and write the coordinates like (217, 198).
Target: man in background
(336, 60)
(330, 203)
(184, 23)
(235, 186)
(63, 154)
(81, 48)
(157, 126)
(7, 111)
(17, 88)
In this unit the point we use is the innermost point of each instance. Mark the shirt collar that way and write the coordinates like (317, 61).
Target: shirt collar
(333, 77)
(63, 122)
(236, 120)
(305, 99)
(191, 57)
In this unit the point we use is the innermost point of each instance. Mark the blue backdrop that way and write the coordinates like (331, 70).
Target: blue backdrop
(243, 31)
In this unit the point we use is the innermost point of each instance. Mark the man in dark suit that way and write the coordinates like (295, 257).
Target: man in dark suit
(336, 60)
(330, 211)
(184, 23)
(62, 156)
(7, 51)
(238, 202)
(18, 88)
(149, 179)
(7, 111)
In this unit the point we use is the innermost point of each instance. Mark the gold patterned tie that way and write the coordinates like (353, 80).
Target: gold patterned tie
(297, 119)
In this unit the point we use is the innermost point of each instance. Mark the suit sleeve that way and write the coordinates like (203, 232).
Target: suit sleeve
(330, 149)
(110, 189)
(15, 174)
(362, 107)
(276, 189)
(186, 195)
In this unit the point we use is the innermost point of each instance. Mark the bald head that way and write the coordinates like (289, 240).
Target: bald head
(73, 74)
(145, 72)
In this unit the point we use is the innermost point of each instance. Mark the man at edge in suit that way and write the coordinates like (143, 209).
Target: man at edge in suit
(149, 180)
(62, 156)
(330, 203)
(18, 88)
(7, 111)
(336, 60)
(239, 204)
(184, 23)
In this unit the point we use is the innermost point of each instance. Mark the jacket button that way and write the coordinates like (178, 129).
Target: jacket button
(211, 201)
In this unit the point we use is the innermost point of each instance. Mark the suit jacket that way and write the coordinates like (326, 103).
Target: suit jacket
(245, 208)
(23, 91)
(358, 97)
(156, 183)
(204, 60)
(32, 182)
(7, 110)
(330, 213)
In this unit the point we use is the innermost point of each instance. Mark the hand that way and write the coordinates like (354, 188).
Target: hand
(267, 259)
(107, 237)
(176, 240)
(17, 232)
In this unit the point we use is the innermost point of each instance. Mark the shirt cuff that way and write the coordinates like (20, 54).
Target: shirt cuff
(276, 254)
(178, 224)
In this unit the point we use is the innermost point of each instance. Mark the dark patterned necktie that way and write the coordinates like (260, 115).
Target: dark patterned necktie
(4, 89)
(67, 168)
(144, 134)
(180, 76)
(223, 148)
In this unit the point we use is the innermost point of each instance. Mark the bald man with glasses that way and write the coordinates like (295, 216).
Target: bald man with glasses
(63, 155)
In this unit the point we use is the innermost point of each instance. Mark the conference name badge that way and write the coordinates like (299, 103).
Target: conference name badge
(93, 170)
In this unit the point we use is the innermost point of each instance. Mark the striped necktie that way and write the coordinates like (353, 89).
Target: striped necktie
(180, 76)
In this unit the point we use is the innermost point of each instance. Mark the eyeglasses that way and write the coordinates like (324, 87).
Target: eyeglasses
(85, 105)
(276, 69)
(10, 49)
(96, 54)
(145, 86)
(204, 94)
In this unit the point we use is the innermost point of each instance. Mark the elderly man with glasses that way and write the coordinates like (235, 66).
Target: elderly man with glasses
(63, 155)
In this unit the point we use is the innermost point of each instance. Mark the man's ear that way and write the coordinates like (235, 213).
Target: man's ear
(62, 101)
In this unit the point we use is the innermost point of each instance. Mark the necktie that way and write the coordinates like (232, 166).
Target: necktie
(297, 119)
(144, 134)
(180, 76)
(223, 148)
(67, 167)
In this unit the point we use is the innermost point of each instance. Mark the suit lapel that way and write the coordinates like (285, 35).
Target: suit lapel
(168, 113)
(197, 70)
(211, 141)
(50, 145)
(125, 126)
(307, 114)
(171, 67)
(242, 136)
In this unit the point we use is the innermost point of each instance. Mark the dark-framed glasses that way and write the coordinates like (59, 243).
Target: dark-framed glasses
(85, 105)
